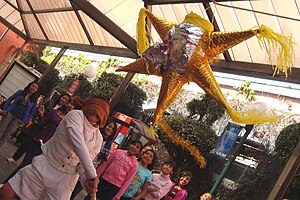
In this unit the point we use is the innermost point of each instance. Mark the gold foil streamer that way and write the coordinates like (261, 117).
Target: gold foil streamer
(182, 142)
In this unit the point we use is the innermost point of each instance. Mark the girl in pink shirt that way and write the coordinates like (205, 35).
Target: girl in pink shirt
(117, 173)
(178, 190)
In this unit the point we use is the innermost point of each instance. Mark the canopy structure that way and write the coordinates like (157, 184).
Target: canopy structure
(109, 26)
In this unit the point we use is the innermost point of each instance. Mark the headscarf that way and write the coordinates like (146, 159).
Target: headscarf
(96, 106)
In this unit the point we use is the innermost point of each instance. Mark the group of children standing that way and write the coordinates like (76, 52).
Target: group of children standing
(70, 151)
(126, 178)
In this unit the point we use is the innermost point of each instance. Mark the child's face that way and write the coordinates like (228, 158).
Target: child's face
(184, 180)
(206, 196)
(33, 88)
(167, 169)
(108, 130)
(94, 120)
(146, 148)
(64, 100)
(147, 157)
(134, 149)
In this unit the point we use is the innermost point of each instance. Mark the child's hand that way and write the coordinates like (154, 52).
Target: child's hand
(91, 186)
(114, 198)
(3, 112)
(41, 110)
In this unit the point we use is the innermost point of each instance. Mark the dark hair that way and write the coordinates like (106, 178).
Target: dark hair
(60, 96)
(34, 96)
(171, 163)
(111, 137)
(150, 166)
(182, 174)
(137, 142)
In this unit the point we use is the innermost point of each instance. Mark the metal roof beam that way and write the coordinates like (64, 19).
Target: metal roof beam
(83, 25)
(122, 52)
(158, 2)
(106, 23)
(13, 28)
(65, 9)
(255, 70)
(211, 17)
(12, 5)
(23, 21)
(37, 20)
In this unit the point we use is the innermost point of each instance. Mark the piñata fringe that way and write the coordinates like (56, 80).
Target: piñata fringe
(184, 143)
(277, 42)
(142, 40)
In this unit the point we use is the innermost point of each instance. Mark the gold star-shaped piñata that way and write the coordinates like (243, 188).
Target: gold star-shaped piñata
(185, 55)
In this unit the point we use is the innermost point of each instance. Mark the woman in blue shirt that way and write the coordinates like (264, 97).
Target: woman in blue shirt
(17, 110)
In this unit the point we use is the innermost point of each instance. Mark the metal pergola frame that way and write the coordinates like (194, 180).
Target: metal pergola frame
(227, 66)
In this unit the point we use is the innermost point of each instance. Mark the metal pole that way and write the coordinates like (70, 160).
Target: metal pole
(122, 87)
(52, 65)
(4, 33)
(286, 176)
(248, 129)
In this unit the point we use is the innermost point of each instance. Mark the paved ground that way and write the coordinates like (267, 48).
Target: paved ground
(6, 168)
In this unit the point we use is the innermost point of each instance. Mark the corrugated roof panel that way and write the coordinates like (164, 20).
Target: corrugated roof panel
(23, 5)
(6, 10)
(196, 8)
(13, 17)
(63, 26)
(99, 36)
(267, 20)
(124, 13)
(289, 26)
(2, 3)
(230, 23)
(49, 4)
(247, 20)
(19, 25)
(33, 28)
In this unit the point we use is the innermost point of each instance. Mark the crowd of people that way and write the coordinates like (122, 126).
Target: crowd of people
(68, 148)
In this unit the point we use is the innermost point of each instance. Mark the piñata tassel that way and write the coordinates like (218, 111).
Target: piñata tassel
(142, 40)
(284, 46)
(182, 142)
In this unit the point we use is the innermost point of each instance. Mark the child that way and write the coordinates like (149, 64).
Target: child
(117, 173)
(161, 183)
(206, 196)
(178, 190)
(142, 178)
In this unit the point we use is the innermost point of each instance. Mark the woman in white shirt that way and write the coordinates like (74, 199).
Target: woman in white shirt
(70, 151)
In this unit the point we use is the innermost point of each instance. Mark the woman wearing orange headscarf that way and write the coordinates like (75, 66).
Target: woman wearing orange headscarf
(70, 151)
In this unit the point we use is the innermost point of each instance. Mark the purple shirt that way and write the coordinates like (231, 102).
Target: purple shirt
(48, 125)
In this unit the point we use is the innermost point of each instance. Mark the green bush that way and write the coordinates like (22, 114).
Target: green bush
(284, 147)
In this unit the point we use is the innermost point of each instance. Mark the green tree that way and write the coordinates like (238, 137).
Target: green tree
(201, 136)
(247, 91)
(284, 147)
(131, 100)
(256, 183)
(51, 81)
(205, 110)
